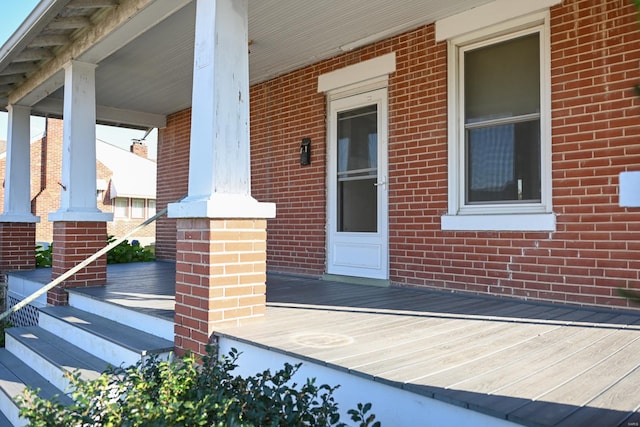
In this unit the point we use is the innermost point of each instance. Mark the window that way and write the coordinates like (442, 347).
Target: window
(499, 137)
(137, 208)
(151, 207)
(121, 207)
(502, 122)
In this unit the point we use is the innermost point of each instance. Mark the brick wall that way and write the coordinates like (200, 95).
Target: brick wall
(16, 247)
(220, 277)
(596, 125)
(283, 112)
(76, 241)
(172, 178)
(46, 173)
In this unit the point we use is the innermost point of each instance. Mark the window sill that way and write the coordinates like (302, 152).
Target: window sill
(508, 222)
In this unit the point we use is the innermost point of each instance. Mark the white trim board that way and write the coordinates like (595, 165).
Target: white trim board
(487, 15)
(360, 72)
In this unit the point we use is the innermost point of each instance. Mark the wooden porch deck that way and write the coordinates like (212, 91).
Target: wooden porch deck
(531, 363)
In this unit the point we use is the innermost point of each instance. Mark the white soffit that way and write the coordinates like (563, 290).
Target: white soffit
(487, 15)
(360, 72)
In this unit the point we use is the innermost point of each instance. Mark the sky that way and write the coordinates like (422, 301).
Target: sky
(12, 14)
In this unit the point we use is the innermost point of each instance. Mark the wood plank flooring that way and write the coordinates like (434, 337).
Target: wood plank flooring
(533, 363)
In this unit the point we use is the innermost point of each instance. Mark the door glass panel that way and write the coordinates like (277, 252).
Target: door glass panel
(358, 170)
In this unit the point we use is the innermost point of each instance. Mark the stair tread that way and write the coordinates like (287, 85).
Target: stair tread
(58, 351)
(15, 376)
(125, 336)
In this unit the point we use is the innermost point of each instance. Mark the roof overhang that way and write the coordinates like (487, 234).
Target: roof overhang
(144, 48)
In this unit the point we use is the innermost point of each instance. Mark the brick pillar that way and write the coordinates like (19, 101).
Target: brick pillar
(17, 247)
(220, 277)
(73, 242)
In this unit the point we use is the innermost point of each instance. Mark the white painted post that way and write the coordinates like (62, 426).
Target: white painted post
(78, 200)
(17, 184)
(219, 162)
(219, 185)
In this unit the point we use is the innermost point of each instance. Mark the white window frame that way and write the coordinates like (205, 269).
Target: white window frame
(498, 216)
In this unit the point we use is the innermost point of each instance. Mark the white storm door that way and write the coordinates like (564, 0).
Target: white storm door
(357, 186)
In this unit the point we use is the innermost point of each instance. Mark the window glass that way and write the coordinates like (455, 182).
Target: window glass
(502, 122)
(151, 207)
(121, 207)
(503, 79)
(137, 208)
(357, 198)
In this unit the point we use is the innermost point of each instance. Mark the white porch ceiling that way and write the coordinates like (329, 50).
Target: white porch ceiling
(152, 73)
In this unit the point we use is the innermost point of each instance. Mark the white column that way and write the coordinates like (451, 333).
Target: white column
(78, 201)
(17, 183)
(219, 162)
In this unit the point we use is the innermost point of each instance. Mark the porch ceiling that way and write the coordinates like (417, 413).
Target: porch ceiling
(145, 64)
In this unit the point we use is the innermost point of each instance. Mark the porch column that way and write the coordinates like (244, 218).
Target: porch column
(80, 228)
(221, 234)
(17, 223)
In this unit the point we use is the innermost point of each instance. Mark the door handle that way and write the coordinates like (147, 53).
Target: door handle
(383, 183)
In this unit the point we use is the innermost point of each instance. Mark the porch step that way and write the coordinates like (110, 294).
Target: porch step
(15, 377)
(67, 339)
(118, 344)
(51, 356)
(145, 321)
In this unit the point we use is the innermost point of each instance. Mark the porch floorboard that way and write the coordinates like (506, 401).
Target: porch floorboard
(536, 364)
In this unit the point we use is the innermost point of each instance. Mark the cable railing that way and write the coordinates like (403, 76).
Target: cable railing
(55, 282)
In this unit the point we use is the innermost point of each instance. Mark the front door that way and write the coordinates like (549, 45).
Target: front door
(357, 186)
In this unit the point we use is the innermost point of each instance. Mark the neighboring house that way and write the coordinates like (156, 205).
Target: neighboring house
(126, 184)
(129, 190)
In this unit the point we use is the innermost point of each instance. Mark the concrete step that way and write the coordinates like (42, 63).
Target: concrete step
(51, 356)
(117, 344)
(145, 321)
(15, 377)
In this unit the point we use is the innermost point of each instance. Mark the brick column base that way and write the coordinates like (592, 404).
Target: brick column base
(17, 248)
(220, 277)
(73, 242)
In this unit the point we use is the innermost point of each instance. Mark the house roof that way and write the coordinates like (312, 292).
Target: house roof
(132, 175)
(144, 48)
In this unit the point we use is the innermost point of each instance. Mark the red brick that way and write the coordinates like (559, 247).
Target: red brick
(88, 238)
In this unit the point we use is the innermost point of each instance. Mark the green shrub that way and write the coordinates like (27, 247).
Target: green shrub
(44, 256)
(186, 393)
(128, 252)
(123, 253)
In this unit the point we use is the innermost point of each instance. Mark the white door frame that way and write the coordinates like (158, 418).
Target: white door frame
(350, 253)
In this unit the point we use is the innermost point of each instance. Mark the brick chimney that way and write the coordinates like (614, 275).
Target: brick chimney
(139, 148)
